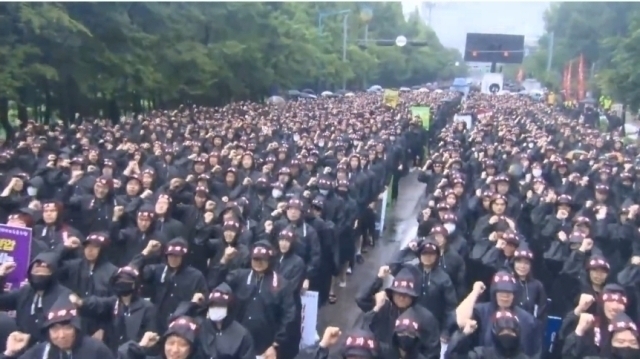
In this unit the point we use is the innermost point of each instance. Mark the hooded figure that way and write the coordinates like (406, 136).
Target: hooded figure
(590, 334)
(170, 283)
(63, 337)
(231, 236)
(502, 297)
(406, 335)
(625, 340)
(265, 305)
(125, 316)
(435, 289)
(220, 335)
(359, 343)
(179, 341)
(402, 295)
(94, 212)
(32, 302)
(505, 340)
(91, 274)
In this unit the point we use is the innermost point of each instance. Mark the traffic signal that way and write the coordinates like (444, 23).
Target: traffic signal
(385, 43)
(417, 43)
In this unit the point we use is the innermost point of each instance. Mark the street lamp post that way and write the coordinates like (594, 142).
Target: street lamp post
(345, 27)
(366, 14)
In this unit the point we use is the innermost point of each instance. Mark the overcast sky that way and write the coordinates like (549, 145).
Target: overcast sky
(453, 20)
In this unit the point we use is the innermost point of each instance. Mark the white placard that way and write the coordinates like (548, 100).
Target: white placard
(309, 319)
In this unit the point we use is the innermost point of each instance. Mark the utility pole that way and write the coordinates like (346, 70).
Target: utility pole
(550, 52)
(429, 6)
(345, 28)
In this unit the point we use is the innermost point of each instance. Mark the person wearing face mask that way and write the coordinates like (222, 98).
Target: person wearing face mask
(277, 191)
(33, 301)
(435, 289)
(588, 334)
(383, 307)
(125, 316)
(406, 336)
(502, 297)
(625, 340)
(219, 334)
(505, 337)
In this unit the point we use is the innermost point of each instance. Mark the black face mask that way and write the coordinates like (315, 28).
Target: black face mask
(406, 343)
(263, 189)
(507, 344)
(39, 281)
(123, 289)
(625, 353)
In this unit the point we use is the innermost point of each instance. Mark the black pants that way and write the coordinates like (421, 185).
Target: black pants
(367, 226)
(394, 186)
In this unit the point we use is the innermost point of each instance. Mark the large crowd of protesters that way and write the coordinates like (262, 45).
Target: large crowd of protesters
(193, 233)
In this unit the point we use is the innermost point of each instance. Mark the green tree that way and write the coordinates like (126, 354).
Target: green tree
(60, 60)
(600, 31)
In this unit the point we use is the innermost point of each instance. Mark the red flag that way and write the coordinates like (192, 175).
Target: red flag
(520, 76)
(569, 80)
(565, 84)
(581, 89)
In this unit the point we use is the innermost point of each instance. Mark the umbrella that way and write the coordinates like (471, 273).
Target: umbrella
(423, 89)
(349, 94)
(294, 93)
(572, 154)
(276, 100)
(375, 88)
(404, 89)
(327, 93)
(309, 91)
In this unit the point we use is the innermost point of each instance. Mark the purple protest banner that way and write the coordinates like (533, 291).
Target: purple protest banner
(15, 246)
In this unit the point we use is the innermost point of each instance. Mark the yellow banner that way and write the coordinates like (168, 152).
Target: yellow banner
(391, 98)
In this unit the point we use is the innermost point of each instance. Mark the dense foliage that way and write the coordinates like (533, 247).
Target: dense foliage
(59, 59)
(607, 33)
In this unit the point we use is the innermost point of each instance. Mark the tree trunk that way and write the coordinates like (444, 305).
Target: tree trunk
(4, 118)
(23, 114)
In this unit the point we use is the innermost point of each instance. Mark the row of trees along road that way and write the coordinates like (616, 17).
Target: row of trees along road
(105, 59)
(606, 33)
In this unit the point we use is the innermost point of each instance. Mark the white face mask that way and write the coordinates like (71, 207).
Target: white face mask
(217, 313)
(536, 173)
(32, 191)
(321, 143)
(276, 193)
(324, 192)
(296, 137)
(450, 227)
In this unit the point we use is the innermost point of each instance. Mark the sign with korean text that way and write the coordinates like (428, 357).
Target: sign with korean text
(15, 246)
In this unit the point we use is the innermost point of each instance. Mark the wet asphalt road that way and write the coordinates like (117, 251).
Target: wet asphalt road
(401, 227)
